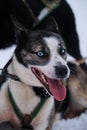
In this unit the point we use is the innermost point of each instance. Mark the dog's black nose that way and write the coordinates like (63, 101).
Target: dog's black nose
(61, 71)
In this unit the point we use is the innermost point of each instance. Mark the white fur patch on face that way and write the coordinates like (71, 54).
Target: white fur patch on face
(52, 43)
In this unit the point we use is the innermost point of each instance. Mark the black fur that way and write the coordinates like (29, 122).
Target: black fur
(41, 92)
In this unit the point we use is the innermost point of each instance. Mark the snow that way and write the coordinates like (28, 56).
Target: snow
(5, 55)
(80, 10)
(78, 123)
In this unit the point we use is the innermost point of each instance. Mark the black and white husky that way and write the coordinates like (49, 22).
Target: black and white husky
(36, 71)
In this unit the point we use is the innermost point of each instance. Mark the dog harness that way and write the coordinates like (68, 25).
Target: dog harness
(26, 119)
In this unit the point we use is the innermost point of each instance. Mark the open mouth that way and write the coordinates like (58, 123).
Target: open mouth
(53, 86)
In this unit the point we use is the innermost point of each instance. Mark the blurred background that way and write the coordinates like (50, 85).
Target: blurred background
(80, 10)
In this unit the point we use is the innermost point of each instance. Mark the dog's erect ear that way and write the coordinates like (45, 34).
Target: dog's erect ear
(51, 25)
(20, 31)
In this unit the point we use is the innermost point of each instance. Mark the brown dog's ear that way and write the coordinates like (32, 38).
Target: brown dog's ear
(51, 25)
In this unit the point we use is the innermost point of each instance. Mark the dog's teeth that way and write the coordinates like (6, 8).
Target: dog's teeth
(43, 78)
(46, 92)
(47, 83)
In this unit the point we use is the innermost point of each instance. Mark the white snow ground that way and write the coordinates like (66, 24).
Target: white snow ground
(78, 123)
(80, 10)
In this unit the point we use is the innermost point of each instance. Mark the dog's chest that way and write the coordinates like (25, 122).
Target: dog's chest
(25, 98)
(27, 101)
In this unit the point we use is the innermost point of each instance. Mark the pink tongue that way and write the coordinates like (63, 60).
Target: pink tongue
(57, 89)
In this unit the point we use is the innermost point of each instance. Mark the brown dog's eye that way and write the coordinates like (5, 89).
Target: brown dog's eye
(62, 51)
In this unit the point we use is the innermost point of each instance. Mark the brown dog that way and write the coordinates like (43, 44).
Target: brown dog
(77, 87)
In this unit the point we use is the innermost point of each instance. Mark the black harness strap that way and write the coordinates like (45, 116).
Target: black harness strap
(4, 74)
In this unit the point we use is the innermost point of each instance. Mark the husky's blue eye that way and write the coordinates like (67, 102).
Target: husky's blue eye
(40, 54)
(62, 51)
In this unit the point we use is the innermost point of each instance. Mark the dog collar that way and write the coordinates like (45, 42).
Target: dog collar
(5, 74)
(25, 119)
